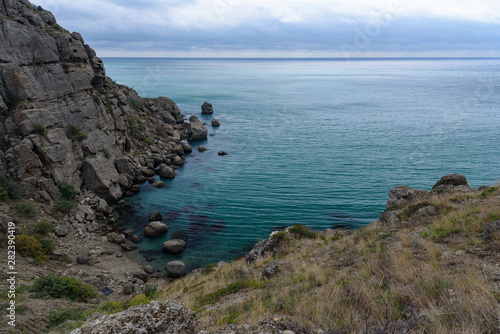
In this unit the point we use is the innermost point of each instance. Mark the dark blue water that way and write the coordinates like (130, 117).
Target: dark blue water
(318, 142)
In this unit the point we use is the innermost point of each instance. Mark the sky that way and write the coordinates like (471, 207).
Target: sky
(284, 28)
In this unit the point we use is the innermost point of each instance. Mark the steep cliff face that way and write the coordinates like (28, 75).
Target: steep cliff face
(61, 118)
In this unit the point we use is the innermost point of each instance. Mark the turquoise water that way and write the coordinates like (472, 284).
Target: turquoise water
(318, 142)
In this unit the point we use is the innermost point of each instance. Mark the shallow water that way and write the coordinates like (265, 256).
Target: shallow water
(318, 142)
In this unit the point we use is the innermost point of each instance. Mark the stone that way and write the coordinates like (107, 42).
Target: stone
(158, 184)
(400, 195)
(135, 188)
(196, 130)
(186, 147)
(206, 108)
(154, 229)
(101, 176)
(103, 207)
(169, 317)
(274, 267)
(166, 172)
(81, 259)
(491, 233)
(60, 231)
(154, 216)
(201, 149)
(215, 122)
(128, 232)
(116, 238)
(140, 275)
(450, 183)
(222, 153)
(174, 246)
(135, 239)
(175, 269)
(128, 246)
(177, 160)
(128, 288)
(389, 218)
(149, 269)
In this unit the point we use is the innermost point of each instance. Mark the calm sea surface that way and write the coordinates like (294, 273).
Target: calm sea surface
(317, 142)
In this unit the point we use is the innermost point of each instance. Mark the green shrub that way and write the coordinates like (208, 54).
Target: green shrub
(52, 286)
(149, 141)
(488, 193)
(48, 246)
(108, 109)
(138, 300)
(99, 126)
(302, 231)
(112, 307)
(30, 246)
(74, 132)
(67, 190)
(66, 259)
(97, 100)
(64, 206)
(210, 268)
(26, 209)
(135, 104)
(40, 130)
(8, 189)
(150, 290)
(279, 236)
(42, 227)
(60, 316)
(229, 290)
(410, 210)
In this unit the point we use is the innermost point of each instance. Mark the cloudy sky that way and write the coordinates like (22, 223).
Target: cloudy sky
(295, 28)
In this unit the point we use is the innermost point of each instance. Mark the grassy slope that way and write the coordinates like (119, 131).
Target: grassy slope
(431, 273)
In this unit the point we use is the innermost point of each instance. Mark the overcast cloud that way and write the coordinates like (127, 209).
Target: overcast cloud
(334, 28)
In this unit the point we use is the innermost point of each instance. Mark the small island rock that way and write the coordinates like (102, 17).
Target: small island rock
(174, 246)
(206, 108)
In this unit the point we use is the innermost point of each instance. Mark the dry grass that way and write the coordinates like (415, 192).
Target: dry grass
(401, 278)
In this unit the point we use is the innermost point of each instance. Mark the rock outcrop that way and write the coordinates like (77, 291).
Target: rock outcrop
(63, 119)
(156, 317)
(206, 108)
(196, 130)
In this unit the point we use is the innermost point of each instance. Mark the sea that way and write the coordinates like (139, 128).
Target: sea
(318, 142)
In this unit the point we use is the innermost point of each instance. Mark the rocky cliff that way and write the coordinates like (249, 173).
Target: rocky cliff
(63, 119)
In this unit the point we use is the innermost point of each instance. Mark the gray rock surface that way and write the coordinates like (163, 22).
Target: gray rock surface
(215, 122)
(196, 130)
(186, 147)
(156, 317)
(174, 246)
(400, 195)
(175, 269)
(166, 172)
(155, 228)
(206, 108)
(451, 182)
(154, 216)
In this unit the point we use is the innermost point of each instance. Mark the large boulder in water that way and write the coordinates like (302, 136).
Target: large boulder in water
(155, 228)
(175, 269)
(166, 172)
(196, 130)
(206, 108)
(451, 182)
(154, 216)
(174, 246)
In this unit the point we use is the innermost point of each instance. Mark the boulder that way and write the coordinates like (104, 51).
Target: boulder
(177, 160)
(104, 208)
(155, 228)
(149, 269)
(128, 246)
(166, 172)
(135, 239)
(215, 122)
(400, 195)
(101, 176)
(174, 246)
(154, 216)
(186, 147)
(175, 269)
(451, 182)
(201, 149)
(196, 130)
(81, 259)
(206, 108)
(158, 184)
(60, 231)
(140, 275)
(389, 218)
(491, 233)
(222, 153)
(116, 238)
(156, 317)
